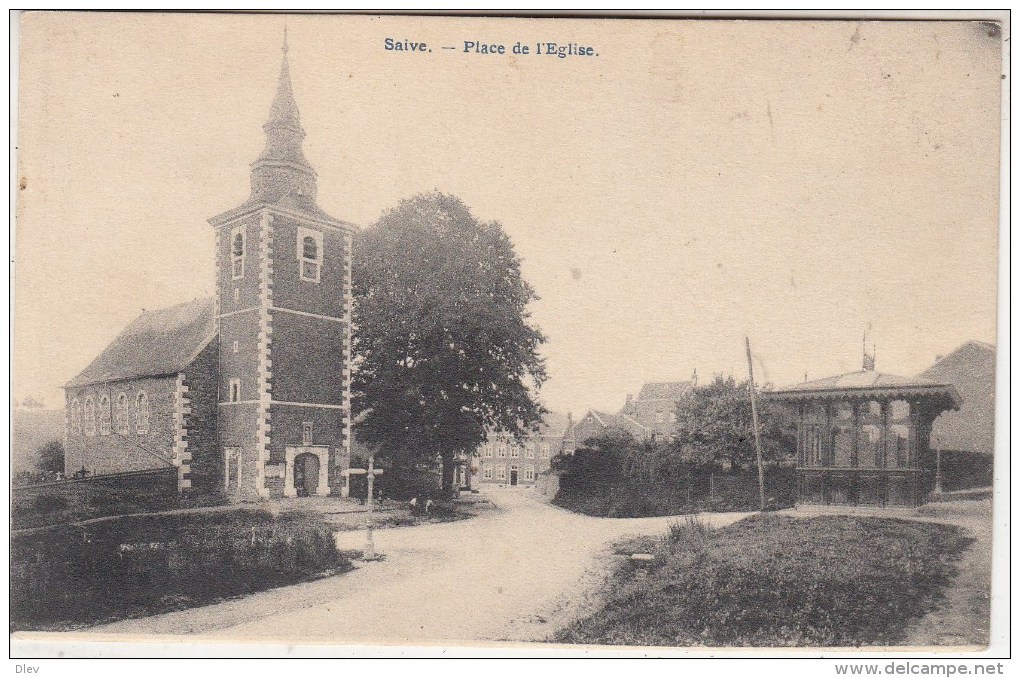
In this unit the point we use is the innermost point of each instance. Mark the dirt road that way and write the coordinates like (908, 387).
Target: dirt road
(514, 573)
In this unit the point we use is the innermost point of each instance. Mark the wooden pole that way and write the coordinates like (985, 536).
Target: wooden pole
(370, 482)
(754, 423)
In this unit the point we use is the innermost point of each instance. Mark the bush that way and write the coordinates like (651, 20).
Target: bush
(774, 580)
(66, 577)
(623, 497)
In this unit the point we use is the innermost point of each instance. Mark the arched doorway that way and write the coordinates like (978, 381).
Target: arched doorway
(306, 474)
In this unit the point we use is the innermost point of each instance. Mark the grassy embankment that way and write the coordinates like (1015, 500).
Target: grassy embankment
(69, 577)
(774, 580)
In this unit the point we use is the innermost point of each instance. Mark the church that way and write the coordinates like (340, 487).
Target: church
(247, 393)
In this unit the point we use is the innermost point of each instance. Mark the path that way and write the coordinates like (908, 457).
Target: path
(514, 573)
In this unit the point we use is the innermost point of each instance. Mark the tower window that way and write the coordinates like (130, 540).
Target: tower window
(235, 346)
(306, 433)
(235, 390)
(142, 413)
(237, 237)
(309, 254)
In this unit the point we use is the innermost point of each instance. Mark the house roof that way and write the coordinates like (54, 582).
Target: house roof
(159, 342)
(665, 390)
(554, 424)
(620, 421)
(868, 383)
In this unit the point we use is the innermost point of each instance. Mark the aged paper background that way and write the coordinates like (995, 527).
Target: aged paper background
(696, 181)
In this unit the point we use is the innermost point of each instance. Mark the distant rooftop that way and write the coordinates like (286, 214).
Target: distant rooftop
(665, 390)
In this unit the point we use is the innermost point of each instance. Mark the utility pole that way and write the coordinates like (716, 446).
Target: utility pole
(938, 468)
(754, 423)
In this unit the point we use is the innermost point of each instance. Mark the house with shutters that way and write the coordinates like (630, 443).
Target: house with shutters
(248, 392)
(504, 460)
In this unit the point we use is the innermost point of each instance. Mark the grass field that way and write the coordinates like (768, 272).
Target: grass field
(773, 580)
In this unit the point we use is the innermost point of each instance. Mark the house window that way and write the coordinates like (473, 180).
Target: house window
(515, 451)
(142, 413)
(529, 450)
(500, 450)
(306, 433)
(235, 346)
(545, 450)
(309, 253)
(501, 473)
(90, 416)
(104, 415)
(487, 451)
(237, 294)
(235, 390)
(120, 415)
(487, 473)
(75, 416)
(659, 418)
(237, 236)
(529, 472)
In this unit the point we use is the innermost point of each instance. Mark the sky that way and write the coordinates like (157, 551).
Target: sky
(695, 183)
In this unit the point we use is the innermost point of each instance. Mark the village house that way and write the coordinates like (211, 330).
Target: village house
(863, 438)
(503, 460)
(965, 438)
(649, 417)
(247, 393)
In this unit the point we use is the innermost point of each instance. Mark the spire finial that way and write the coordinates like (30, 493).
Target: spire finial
(285, 37)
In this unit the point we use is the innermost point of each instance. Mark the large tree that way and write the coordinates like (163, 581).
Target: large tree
(444, 347)
(714, 424)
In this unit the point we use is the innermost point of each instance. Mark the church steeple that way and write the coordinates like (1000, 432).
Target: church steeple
(282, 171)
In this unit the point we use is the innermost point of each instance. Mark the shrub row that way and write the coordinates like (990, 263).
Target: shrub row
(66, 577)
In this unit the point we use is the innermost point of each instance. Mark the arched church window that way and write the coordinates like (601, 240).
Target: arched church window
(104, 415)
(309, 249)
(142, 413)
(90, 416)
(309, 254)
(76, 416)
(237, 236)
(120, 415)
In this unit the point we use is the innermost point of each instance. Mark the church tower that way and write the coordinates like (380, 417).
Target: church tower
(283, 282)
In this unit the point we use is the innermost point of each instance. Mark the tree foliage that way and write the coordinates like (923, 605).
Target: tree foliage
(714, 425)
(443, 343)
(51, 457)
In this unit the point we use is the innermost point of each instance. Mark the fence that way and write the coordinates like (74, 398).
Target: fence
(81, 498)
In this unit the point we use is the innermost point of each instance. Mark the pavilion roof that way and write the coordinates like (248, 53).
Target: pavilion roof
(870, 384)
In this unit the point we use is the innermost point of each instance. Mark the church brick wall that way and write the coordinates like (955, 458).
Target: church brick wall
(118, 453)
(289, 291)
(206, 464)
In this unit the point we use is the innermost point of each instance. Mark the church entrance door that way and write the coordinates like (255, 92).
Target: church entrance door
(306, 474)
